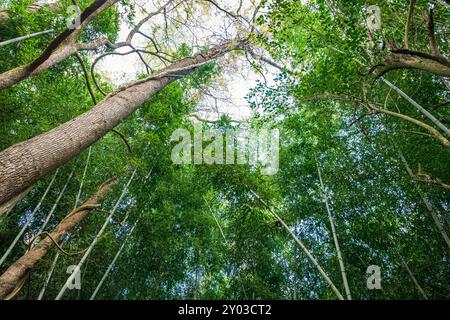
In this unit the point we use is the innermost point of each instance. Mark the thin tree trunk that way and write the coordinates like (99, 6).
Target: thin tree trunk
(412, 3)
(413, 278)
(108, 270)
(425, 200)
(303, 248)
(96, 239)
(418, 107)
(227, 244)
(22, 164)
(18, 74)
(80, 189)
(55, 205)
(49, 275)
(28, 222)
(46, 221)
(336, 242)
(4, 43)
(434, 132)
(55, 260)
(18, 270)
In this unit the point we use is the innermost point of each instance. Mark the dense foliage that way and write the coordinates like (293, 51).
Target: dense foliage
(201, 233)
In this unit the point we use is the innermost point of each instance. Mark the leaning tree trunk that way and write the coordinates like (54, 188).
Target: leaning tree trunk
(62, 47)
(8, 206)
(22, 164)
(67, 49)
(12, 277)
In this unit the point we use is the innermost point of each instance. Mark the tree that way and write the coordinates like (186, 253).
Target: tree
(363, 170)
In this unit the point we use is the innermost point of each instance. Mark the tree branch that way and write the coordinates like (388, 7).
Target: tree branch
(409, 23)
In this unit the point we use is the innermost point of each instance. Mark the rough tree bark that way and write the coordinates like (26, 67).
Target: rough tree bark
(404, 61)
(11, 278)
(22, 164)
(6, 207)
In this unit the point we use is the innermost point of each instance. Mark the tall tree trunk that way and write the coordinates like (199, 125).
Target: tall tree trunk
(335, 238)
(18, 270)
(413, 278)
(22, 164)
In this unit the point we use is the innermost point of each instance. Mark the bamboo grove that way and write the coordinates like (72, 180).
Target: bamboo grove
(89, 193)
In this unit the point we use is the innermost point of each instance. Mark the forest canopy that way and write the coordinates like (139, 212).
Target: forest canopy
(211, 149)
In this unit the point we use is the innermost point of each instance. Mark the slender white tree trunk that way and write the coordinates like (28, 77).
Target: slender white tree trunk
(82, 178)
(27, 224)
(226, 243)
(55, 260)
(413, 278)
(4, 43)
(425, 200)
(335, 238)
(303, 248)
(108, 270)
(94, 242)
(418, 107)
(50, 214)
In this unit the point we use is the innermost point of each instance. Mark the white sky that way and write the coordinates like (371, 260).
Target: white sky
(237, 82)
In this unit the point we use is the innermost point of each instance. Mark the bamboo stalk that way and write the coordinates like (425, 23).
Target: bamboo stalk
(96, 239)
(418, 107)
(4, 43)
(425, 200)
(336, 242)
(303, 248)
(108, 270)
(27, 224)
(55, 260)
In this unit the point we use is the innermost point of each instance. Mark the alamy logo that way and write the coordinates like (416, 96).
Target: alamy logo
(73, 21)
(212, 146)
(374, 279)
(373, 18)
(76, 282)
